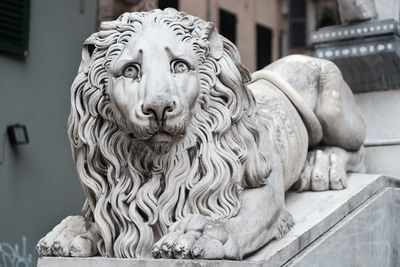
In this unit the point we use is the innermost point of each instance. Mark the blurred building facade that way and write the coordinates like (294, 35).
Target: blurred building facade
(263, 30)
(38, 181)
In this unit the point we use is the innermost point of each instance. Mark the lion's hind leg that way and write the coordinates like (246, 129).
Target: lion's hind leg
(344, 132)
(341, 119)
(326, 168)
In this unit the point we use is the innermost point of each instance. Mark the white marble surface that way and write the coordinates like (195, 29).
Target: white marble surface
(381, 111)
(314, 213)
(382, 124)
(383, 159)
(368, 237)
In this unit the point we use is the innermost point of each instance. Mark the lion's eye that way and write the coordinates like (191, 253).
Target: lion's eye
(179, 66)
(131, 71)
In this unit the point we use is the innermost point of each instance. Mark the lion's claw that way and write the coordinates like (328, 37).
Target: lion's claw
(72, 237)
(323, 170)
(208, 248)
(196, 237)
(197, 251)
(183, 244)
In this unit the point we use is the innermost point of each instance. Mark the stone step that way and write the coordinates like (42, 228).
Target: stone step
(382, 113)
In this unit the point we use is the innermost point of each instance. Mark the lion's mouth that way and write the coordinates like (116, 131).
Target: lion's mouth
(157, 137)
(161, 137)
(160, 142)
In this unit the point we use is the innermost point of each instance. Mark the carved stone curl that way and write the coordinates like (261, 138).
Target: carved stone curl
(182, 155)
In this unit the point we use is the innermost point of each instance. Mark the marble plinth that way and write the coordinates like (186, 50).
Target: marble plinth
(381, 112)
(367, 237)
(353, 227)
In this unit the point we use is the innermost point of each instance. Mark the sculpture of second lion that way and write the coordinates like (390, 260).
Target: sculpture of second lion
(183, 154)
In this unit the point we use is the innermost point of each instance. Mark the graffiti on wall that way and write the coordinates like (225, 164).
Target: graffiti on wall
(14, 256)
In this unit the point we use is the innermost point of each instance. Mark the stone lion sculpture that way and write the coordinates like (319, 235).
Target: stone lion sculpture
(182, 153)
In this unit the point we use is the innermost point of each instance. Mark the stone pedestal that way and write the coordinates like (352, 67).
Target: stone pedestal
(367, 53)
(353, 227)
(381, 111)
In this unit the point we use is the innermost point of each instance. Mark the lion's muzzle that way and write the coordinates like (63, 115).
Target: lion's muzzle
(159, 119)
(160, 106)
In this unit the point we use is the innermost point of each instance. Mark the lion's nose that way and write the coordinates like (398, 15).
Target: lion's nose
(158, 106)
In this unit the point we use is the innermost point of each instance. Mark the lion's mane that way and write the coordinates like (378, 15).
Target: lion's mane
(134, 194)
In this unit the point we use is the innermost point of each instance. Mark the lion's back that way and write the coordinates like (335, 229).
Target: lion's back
(302, 73)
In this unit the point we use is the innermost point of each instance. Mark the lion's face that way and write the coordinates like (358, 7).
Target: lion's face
(154, 84)
(172, 83)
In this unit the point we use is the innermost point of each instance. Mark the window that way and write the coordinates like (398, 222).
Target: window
(297, 24)
(14, 26)
(227, 25)
(162, 4)
(264, 46)
(327, 14)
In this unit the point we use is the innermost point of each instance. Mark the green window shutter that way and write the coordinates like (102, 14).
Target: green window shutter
(14, 26)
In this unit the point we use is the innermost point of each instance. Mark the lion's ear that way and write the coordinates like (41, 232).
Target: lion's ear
(87, 51)
(216, 44)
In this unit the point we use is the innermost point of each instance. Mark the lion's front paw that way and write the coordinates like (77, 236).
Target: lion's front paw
(197, 236)
(73, 236)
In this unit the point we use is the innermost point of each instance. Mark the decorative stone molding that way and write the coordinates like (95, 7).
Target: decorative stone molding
(372, 28)
(367, 53)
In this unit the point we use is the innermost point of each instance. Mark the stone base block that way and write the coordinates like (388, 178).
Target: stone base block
(381, 111)
(353, 227)
(383, 159)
